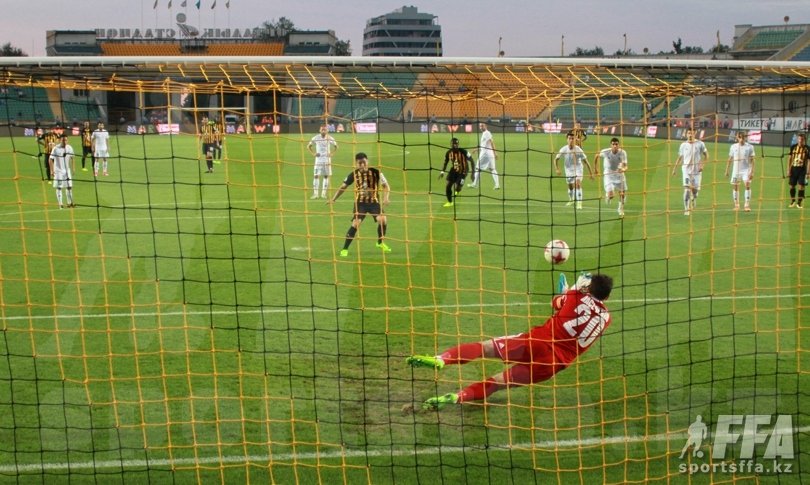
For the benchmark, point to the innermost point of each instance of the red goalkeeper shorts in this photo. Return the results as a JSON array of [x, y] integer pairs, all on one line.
[[534, 359]]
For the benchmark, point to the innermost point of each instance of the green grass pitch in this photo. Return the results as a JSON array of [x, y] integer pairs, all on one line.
[[183, 327]]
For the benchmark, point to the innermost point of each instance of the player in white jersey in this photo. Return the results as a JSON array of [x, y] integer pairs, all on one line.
[[101, 148], [63, 163], [325, 147], [486, 157], [741, 155], [573, 159], [693, 155], [614, 166]]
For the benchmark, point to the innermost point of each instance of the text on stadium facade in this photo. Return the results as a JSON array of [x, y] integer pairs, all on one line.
[[177, 33]]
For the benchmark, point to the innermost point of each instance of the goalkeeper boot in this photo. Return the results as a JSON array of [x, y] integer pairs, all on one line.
[[448, 204], [384, 248], [425, 361], [344, 253], [579, 205], [562, 285], [792, 203], [438, 402]]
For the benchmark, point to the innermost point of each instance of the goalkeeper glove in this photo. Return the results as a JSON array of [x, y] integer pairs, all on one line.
[[562, 285], [583, 282]]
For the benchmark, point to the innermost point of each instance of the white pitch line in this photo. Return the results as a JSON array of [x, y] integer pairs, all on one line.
[[550, 445], [372, 309]]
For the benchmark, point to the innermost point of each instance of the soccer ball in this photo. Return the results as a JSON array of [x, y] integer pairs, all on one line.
[[557, 251]]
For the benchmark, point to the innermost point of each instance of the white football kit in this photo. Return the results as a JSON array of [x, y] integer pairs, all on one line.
[[691, 154], [486, 157], [323, 157], [101, 139], [611, 162], [742, 158], [572, 161], [62, 156]]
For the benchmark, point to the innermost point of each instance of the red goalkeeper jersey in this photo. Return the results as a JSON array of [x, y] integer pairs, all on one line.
[[580, 320]]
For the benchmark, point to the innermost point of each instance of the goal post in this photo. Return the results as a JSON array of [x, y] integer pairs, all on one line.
[[237, 326]]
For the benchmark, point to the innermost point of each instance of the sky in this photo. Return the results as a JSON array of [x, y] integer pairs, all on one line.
[[470, 28]]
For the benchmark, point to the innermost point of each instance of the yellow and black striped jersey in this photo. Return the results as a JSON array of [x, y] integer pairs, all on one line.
[[87, 137], [579, 137], [459, 160], [799, 155], [367, 184], [207, 133], [49, 140]]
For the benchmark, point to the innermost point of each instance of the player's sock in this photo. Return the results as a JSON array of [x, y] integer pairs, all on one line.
[[579, 195], [105, 165], [463, 353], [478, 391], [324, 186], [349, 237], [495, 178], [315, 187], [623, 200], [448, 191], [570, 194], [735, 197], [686, 196], [793, 194], [381, 228], [70, 197], [747, 196], [83, 159], [95, 166], [801, 196], [59, 196]]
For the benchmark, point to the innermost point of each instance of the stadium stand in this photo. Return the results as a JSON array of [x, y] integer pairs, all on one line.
[[387, 82], [124, 49], [276, 49], [369, 108], [802, 55], [308, 107], [589, 109], [81, 109], [772, 39], [23, 103]]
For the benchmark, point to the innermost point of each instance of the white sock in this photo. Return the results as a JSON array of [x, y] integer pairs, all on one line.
[[747, 196], [70, 196], [570, 194], [495, 177], [315, 186], [95, 166], [579, 195], [59, 196], [105, 165], [324, 186], [687, 195], [735, 197]]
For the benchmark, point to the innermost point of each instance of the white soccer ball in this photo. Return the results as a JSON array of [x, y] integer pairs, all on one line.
[[557, 251]]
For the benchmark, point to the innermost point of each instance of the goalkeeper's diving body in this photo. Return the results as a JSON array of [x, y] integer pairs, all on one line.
[[580, 318]]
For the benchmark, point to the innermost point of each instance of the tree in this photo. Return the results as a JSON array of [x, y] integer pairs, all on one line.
[[595, 52], [628, 52], [343, 48], [681, 49], [9, 50], [718, 48]]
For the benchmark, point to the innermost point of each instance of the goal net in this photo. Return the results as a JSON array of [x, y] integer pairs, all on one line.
[[206, 312]]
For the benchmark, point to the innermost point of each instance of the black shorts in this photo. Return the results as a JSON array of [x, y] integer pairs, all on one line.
[[87, 151], [208, 148], [797, 176], [456, 177], [363, 208]]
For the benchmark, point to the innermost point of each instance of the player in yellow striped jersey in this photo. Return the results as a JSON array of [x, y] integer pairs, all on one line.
[[87, 145], [48, 140], [368, 182], [208, 139]]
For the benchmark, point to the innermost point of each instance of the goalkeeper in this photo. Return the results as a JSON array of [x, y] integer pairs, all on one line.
[[580, 318]]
